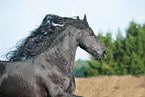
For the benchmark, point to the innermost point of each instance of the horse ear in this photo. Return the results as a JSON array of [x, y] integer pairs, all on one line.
[[78, 18], [85, 18]]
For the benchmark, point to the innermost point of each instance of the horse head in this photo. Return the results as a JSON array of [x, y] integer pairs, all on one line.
[[89, 42]]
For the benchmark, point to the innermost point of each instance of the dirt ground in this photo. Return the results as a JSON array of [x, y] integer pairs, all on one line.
[[111, 86]]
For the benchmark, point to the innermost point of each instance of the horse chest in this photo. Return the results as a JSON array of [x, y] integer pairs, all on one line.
[[60, 80]]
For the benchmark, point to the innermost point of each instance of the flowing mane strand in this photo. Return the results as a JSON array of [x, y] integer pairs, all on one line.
[[41, 38]]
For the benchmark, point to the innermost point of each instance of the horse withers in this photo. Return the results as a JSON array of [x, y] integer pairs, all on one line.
[[42, 64]]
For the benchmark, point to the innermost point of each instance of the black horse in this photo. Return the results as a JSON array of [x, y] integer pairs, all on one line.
[[42, 64]]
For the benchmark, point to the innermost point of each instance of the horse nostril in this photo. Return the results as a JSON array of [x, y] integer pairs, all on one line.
[[105, 53], [102, 53]]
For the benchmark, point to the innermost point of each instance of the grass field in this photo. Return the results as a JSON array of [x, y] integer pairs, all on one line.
[[111, 86]]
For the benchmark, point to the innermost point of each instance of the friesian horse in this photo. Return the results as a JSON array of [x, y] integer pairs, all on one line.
[[42, 64]]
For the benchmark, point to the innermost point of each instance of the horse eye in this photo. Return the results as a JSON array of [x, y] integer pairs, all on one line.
[[91, 33]]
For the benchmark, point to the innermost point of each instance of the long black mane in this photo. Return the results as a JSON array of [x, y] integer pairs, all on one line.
[[41, 38]]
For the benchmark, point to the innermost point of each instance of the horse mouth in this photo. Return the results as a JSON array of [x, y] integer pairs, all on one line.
[[100, 56]]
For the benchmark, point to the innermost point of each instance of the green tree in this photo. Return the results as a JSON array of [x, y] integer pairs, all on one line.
[[118, 54], [133, 47], [79, 68]]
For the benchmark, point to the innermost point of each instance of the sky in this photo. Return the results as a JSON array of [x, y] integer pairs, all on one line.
[[19, 17]]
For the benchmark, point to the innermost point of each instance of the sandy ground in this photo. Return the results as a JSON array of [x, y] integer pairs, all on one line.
[[111, 86]]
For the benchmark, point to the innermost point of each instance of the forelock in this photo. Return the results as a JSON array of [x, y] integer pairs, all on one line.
[[51, 20]]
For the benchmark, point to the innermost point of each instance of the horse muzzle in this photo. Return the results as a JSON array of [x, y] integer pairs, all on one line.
[[100, 54]]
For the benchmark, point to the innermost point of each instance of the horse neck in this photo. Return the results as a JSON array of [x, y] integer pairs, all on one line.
[[63, 49]]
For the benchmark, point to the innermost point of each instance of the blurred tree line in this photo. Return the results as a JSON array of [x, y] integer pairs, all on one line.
[[124, 55]]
